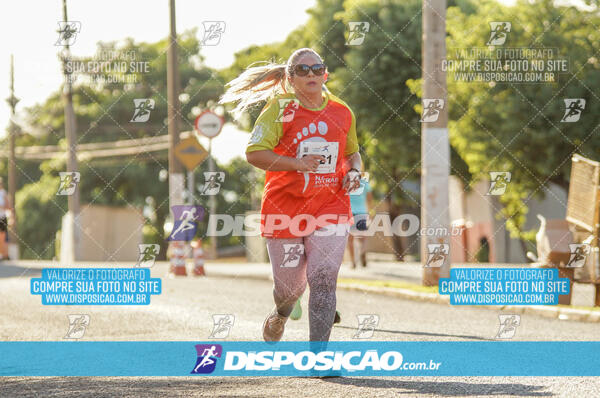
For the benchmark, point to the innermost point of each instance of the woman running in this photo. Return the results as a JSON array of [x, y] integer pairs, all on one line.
[[305, 139]]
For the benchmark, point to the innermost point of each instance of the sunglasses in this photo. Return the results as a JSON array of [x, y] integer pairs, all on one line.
[[303, 69]]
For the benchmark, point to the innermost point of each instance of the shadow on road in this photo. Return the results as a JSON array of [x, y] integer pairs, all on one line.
[[126, 387], [462, 336], [123, 387], [10, 271], [447, 388]]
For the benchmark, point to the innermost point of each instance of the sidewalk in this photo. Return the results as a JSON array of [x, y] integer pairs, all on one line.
[[407, 272], [396, 271], [400, 279], [410, 273], [404, 280]]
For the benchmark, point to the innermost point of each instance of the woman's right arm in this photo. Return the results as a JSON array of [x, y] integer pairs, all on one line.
[[265, 137], [269, 160]]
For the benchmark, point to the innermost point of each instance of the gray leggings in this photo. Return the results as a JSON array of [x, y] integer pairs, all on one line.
[[313, 259]]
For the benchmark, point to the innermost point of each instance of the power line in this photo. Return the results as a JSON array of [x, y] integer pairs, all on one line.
[[94, 150]]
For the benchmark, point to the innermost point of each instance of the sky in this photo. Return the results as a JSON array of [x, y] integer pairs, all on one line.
[[28, 31]]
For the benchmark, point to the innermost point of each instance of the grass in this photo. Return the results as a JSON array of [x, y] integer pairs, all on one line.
[[393, 284]]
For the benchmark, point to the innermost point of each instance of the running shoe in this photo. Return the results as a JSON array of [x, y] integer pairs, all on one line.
[[297, 311], [273, 326], [338, 317]]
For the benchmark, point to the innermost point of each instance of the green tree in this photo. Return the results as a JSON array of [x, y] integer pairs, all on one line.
[[40, 212], [103, 112], [234, 197], [324, 32], [373, 84], [516, 127]]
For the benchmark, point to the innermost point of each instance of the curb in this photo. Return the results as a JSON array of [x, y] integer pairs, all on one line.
[[561, 313], [397, 292]]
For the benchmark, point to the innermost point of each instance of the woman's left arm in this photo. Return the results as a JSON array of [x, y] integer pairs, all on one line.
[[352, 161], [352, 177]]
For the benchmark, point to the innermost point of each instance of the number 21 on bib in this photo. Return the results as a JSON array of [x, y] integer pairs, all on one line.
[[327, 149]]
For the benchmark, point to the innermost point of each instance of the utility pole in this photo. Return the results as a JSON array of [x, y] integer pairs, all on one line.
[[70, 247], [435, 147], [176, 178], [13, 129], [212, 201]]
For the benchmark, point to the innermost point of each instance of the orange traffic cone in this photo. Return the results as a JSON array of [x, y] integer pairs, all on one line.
[[178, 259], [198, 254]]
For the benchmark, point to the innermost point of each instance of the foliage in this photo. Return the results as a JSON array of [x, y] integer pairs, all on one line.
[[103, 113], [373, 84], [502, 127], [40, 211], [516, 127]]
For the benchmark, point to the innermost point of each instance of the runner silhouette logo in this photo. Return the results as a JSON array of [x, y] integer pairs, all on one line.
[[207, 358], [508, 326], [77, 326], [212, 184], [213, 30], [287, 110], [498, 182], [185, 222], [292, 254], [147, 254], [579, 252], [67, 32], [357, 31], [143, 107], [68, 182], [431, 109], [573, 109], [498, 33], [438, 252]]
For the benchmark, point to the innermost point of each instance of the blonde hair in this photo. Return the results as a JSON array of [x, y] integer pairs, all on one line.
[[261, 83]]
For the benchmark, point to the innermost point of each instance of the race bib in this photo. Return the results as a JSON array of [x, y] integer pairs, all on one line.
[[327, 149]]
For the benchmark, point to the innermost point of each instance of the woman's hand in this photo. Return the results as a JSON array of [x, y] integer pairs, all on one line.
[[351, 181], [310, 162]]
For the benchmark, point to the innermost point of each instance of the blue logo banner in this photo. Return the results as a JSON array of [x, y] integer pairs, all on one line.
[[343, 358], [504, 286], [95, 286]]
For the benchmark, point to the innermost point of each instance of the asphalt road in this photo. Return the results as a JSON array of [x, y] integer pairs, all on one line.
[[184, 312]]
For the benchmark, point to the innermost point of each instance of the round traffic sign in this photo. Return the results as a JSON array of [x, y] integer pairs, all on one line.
[[209, 124]]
